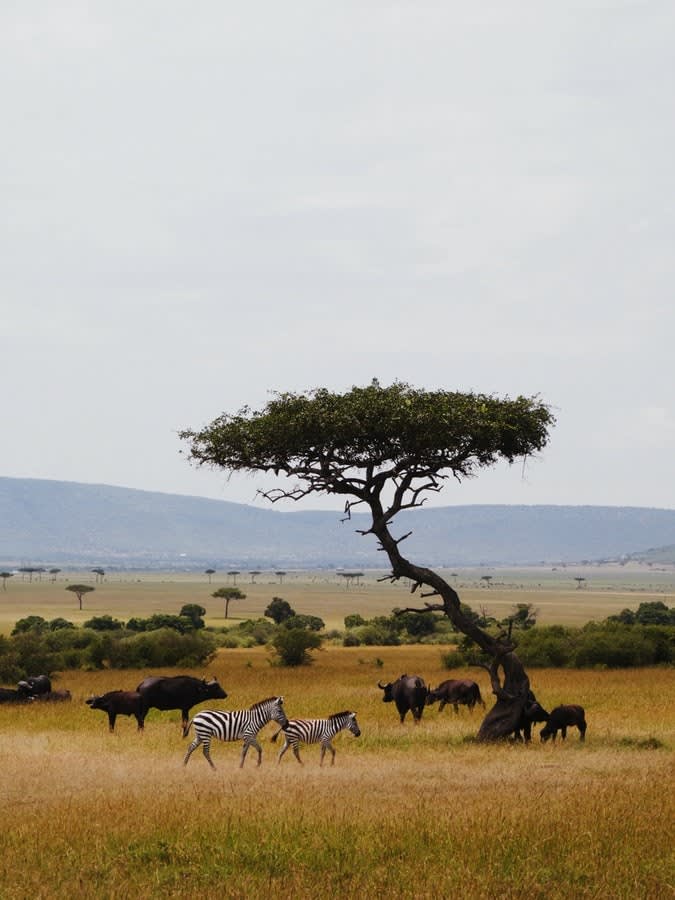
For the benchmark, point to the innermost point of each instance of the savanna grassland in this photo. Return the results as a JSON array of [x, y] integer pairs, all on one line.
[[405, 812]]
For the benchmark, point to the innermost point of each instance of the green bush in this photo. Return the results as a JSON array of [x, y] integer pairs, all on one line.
[[300, 620], [453, 660], [103, 623], [279, 610], [353, 620], [162, 647], [59, 624], [194, 612], [292, 646], [378, 635], [181, 624], [31, 623], [351, 639]]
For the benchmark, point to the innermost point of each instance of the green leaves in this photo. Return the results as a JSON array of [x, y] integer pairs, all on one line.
[[330, 440]]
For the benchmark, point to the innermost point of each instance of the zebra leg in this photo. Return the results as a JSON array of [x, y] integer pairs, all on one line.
[[327, 746], [296, 752], [283, 750], [193, 746], [206, 750], [250, 742]]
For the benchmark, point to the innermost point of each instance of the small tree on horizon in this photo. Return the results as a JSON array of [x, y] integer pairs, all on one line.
[[5, 576], [227, 594], [209, 572], [80, 590]]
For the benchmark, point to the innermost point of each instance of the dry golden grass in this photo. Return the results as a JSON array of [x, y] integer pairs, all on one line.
[[405, 812]]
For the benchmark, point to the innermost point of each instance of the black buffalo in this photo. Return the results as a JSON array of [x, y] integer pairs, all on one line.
[[7, 695], [177, 692], [54, 697], [409, 692], [457, 692], [119, 703], [35, 685], [532, 712], [562, 718]]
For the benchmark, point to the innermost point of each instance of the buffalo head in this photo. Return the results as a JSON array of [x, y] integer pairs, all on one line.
[[387, 688], [213, 690]]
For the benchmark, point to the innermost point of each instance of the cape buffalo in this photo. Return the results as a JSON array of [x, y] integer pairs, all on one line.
[[7, 695], [119, 703], [177, 692], [561, 718], [532, 712], [35, 685], [408, 692], [464, 693], [54, 697]]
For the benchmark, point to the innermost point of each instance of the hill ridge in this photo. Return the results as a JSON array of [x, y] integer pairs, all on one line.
[[49, 521]]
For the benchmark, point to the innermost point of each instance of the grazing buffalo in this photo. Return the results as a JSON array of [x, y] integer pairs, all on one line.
[[35, 685], [54, 697], [177, 692], [532, 712], [7, 695], [459, 693], [409, 692], [562, 718], [119, 703]]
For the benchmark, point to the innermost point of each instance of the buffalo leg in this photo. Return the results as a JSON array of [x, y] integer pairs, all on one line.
[[111, 721]]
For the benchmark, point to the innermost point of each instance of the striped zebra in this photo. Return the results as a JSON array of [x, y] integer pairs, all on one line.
[[315, 731], [234, 725]]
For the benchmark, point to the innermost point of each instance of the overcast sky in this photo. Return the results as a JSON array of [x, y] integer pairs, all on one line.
[[202, 203]]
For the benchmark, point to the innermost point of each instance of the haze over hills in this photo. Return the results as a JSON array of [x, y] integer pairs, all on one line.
[[69, 523]]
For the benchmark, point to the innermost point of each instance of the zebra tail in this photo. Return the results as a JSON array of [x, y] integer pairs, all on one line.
[[186, 728], [274, 737]]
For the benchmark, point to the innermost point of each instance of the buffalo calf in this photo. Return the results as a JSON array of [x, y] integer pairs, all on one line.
[[532, 712], [119, 703], [562, 718]]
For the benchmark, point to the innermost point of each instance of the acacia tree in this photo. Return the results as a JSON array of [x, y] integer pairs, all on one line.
[[80, 590], [387, 449], [227, 594]]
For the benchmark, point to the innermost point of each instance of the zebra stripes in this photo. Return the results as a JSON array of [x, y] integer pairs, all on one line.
[[234, 725], [315, 731]]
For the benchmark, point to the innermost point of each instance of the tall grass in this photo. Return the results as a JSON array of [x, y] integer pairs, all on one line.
[[405, 812]]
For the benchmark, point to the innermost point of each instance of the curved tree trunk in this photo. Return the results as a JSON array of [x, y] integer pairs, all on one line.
[[513, 692]]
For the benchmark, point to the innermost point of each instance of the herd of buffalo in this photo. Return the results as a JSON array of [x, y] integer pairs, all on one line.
[[409, 693]]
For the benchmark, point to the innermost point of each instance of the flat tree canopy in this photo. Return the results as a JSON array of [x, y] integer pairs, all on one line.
[[388, 448]]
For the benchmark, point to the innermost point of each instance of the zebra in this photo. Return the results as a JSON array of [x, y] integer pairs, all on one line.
[[314, 731], [234, 724]]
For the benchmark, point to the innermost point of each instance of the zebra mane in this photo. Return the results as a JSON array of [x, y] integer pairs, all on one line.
[[262, 703], [345, 712]]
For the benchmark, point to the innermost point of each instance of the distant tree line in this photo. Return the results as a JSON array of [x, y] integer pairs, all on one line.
[[642, 637]]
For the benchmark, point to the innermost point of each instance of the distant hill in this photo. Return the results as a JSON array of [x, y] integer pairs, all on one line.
[[655, 555], [68, 523]]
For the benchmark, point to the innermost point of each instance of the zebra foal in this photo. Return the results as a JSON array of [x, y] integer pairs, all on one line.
[[234, 725], [315, 731]]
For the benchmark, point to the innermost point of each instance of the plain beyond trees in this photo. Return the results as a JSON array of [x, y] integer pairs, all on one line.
[[387, 449]]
